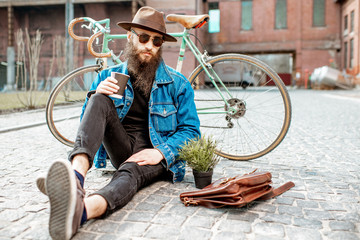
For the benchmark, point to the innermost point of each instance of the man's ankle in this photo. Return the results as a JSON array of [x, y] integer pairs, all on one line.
[[81, 164]]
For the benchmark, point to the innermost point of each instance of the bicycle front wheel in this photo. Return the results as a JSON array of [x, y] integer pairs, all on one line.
[[246, 109], [64, 105]]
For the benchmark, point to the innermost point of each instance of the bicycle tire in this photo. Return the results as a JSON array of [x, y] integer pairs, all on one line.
[[243, 75], [74, 86]]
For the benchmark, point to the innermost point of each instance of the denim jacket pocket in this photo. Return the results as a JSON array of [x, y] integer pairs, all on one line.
[[118, 102], [164, 118]]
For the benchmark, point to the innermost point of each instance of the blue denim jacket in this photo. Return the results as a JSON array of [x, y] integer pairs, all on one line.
[[172, 113]]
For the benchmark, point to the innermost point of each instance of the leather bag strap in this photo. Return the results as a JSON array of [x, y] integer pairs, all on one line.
[[277, 191]]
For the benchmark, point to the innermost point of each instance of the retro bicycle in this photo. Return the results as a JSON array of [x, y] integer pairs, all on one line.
[[241, 101]]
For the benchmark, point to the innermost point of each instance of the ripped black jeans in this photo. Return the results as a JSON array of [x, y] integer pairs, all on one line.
[[100, 124]]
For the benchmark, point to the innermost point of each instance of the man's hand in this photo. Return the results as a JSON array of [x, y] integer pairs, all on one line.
[[150, 156], [108, 86]]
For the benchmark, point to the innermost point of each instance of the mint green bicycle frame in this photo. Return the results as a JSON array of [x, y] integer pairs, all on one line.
[[186, 41]]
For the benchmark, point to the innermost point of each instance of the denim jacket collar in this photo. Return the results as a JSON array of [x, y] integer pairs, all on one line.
[[162, 75]]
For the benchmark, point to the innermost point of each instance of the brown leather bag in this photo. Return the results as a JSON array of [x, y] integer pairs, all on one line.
[[236, 191]]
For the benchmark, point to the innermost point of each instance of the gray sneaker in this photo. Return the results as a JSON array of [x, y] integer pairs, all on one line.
[[66, 200], [41, 184]]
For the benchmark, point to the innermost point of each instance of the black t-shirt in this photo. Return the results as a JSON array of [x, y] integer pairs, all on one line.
[[136, 121]]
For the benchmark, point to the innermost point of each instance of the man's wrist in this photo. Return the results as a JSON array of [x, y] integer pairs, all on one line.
[[163, 160], [162, 155]]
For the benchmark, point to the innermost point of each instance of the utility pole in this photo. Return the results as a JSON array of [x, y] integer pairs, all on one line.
[[69, 42], [10, 70], [133, 7], [135, 4]]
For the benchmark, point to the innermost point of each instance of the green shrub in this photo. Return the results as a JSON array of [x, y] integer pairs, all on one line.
[[199, 153]]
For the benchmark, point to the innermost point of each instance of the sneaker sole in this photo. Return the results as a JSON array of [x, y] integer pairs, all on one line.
[[40, 183], [61, 189]]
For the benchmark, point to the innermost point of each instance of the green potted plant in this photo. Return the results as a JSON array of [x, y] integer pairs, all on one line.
[[199, 153]]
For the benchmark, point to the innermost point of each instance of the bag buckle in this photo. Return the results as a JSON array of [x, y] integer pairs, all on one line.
[[189, 201]]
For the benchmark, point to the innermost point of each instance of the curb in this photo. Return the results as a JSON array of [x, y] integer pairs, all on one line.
[[16, 128]]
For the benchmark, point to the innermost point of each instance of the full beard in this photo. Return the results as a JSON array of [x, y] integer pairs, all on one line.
[[142, 73]]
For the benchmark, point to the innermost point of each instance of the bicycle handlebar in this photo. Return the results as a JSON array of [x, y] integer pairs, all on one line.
[[71, 29], [91, 49], [90, 39]]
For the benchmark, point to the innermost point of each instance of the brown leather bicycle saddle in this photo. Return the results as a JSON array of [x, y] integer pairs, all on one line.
[[188, 21]]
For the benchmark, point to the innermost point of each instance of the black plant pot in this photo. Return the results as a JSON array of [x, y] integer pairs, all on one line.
[[202, 179]]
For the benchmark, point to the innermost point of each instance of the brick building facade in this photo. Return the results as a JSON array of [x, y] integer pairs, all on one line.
[[287, 28], [49, 18], [350, 54], [292, 36]]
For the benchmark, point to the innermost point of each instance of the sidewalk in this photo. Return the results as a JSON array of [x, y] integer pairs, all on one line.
[[21, 120], [320, 155]]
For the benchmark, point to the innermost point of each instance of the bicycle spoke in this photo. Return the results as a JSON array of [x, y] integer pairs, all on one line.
[[246, 136], [259, 110]]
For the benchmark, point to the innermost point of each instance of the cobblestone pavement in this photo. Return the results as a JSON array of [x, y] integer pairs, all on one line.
[[321, 154]]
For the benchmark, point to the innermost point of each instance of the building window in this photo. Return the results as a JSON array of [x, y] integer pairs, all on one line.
[[246, 14], [346, 31], [352, 15], [318, 13], [345, 55], [280, 14], [351, 63], [214, 13]]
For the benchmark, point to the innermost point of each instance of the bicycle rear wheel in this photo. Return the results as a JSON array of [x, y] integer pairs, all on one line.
[[260, 104], [64, 105]]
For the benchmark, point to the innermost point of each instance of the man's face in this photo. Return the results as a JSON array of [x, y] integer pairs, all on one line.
[[143, 59], [146, 51]]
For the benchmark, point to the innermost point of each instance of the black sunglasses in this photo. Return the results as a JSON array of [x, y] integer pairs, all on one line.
[[144, 38]]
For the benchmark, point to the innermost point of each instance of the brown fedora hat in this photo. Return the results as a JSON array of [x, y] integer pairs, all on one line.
[[149, 19]]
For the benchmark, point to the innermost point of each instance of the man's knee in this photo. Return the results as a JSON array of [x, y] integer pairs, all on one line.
[[100, 103], [99, 98], [143, 175]]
